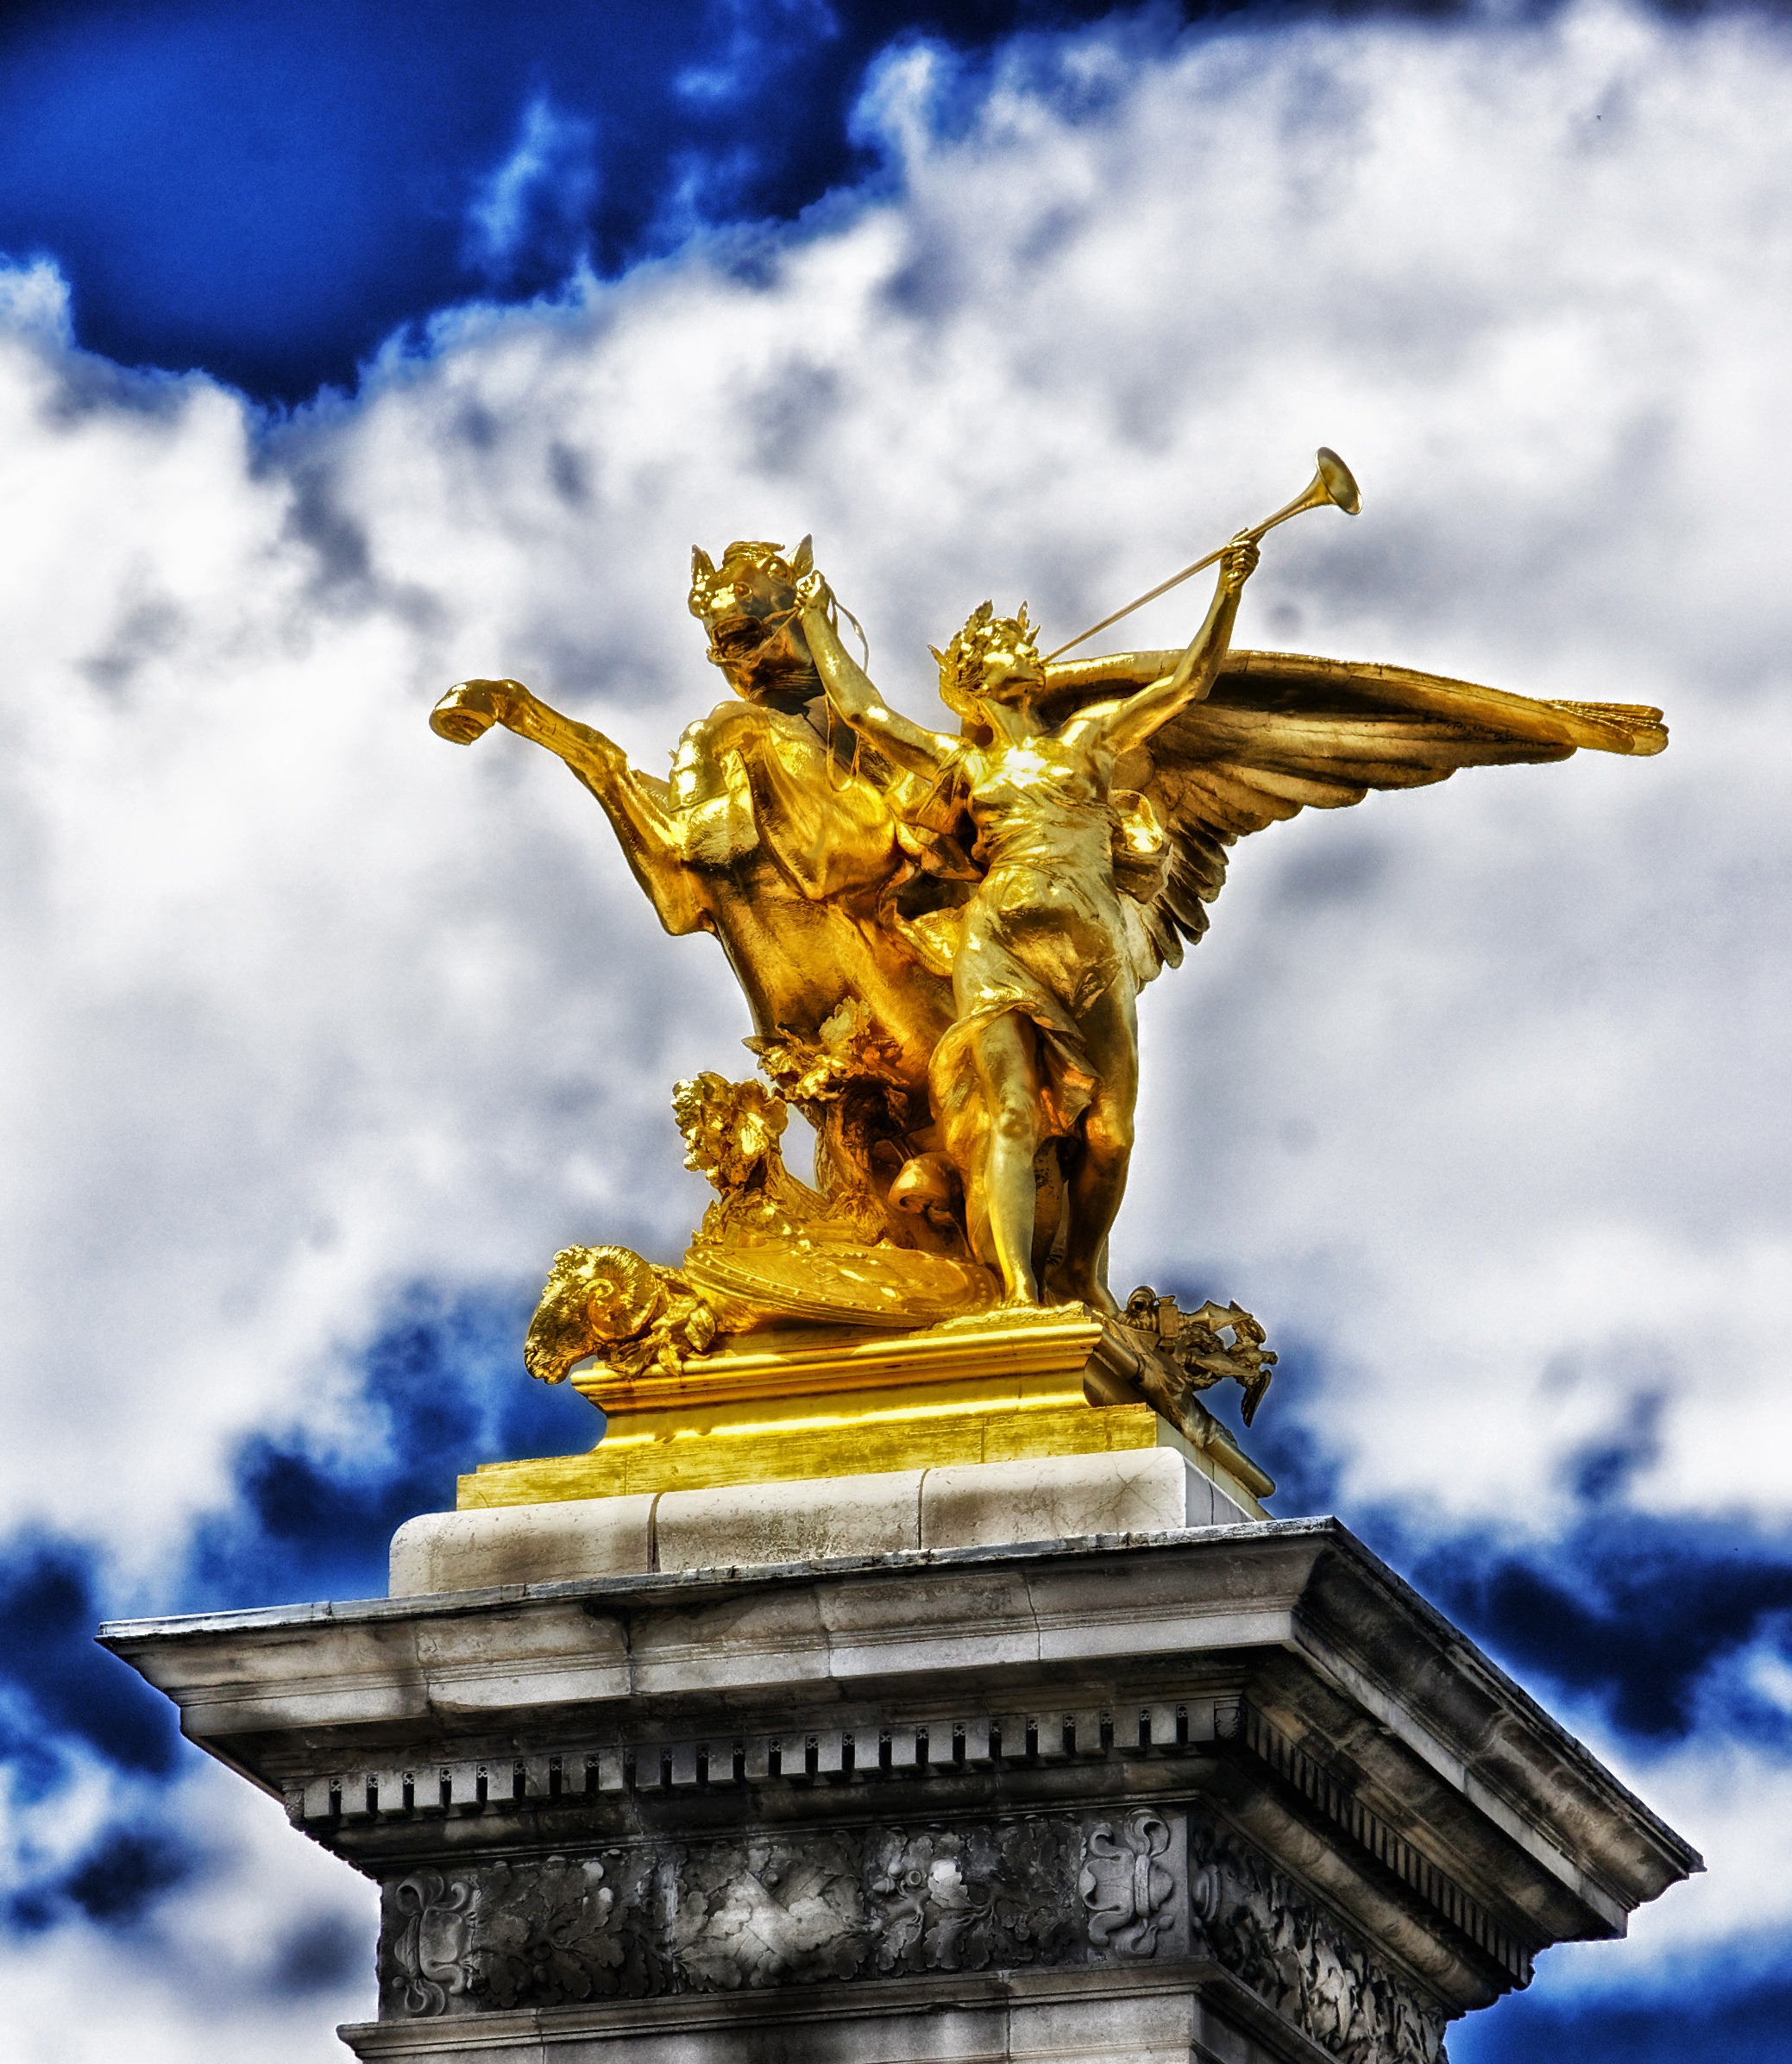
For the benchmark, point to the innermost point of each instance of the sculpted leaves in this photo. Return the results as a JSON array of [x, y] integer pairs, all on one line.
[[543, 1937], [969, 1899], [1264, 1928], [769, 1913]]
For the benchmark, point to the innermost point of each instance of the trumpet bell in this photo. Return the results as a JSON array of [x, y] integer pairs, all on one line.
[[1339, 485], [1333, 486]]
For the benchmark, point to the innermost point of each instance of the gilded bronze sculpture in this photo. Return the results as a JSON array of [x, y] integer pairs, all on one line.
[[940, 936]]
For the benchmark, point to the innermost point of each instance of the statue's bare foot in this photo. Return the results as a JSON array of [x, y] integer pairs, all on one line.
[[468, 710], [1087, 1290]]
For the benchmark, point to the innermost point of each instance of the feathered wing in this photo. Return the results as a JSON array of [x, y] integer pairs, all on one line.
[[1282, 732]]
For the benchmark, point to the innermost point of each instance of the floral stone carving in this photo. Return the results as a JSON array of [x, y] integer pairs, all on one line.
[[548, 1932], [833, 1905], [1266, 1930], [769, 1913], [544, 1936], [969, 1898]]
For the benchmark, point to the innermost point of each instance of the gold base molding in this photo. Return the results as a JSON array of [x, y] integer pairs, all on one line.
[[997, 1389]]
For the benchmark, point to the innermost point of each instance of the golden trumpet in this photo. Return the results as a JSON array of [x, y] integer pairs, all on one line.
[[1331, 485]]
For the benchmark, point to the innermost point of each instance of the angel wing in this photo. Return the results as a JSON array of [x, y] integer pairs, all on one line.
[[1282, 732]]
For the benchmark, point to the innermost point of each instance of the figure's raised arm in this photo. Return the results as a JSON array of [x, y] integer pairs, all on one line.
[[853, 694], [1131, 722]]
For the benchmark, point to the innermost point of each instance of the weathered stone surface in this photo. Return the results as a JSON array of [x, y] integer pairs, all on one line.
[[863, 1905], [1054, 1498], [1228, 1794], [1020, 2017], [521, 1543], [975, 1505], [803, 1521]]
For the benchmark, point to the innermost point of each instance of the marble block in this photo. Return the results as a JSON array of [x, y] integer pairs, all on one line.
[[1041, 1497], [1061, 1497], [1233, 1794], [817, 1521], [522, 1544]]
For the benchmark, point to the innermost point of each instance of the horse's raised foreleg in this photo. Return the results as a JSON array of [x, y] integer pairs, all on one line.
[[633, 802]]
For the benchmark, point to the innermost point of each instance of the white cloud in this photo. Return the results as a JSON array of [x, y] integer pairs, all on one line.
[[1479, 1092], [228, 1968], [535, 205]]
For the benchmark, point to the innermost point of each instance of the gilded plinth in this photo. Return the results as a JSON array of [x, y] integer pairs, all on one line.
[[817, 1403]]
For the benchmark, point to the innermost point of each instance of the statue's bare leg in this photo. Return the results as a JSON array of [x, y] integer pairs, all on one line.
[[1105, 1145], [1005, 1198]]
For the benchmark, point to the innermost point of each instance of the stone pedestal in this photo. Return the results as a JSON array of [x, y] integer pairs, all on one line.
[[1225, 1792]]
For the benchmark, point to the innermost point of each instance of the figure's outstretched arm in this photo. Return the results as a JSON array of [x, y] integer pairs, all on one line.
[[1130, 722], [636, 806], [851, 692]]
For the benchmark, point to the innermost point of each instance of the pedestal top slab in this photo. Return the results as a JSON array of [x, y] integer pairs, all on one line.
[[1293, 1628]]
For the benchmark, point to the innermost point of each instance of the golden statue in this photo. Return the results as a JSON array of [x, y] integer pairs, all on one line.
[[941, 935]]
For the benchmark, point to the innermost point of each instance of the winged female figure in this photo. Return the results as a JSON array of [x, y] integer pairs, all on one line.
[[1098, 800], [1044, 1041]]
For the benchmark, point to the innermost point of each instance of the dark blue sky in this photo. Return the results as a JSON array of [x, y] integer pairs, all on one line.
[[269, 190]]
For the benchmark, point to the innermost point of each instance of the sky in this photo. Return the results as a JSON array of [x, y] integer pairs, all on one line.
[[348, 351]]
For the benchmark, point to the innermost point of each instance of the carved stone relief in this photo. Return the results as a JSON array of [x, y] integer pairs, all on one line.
[[1126, 1885], [544, 1935], [424, 1944], [725, 1917], [552, 1932], [839, 1905], [1264, 1928], [769, 1913], [972, 1899]]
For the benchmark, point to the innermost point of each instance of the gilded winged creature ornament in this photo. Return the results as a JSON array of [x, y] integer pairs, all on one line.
[[941, 933]]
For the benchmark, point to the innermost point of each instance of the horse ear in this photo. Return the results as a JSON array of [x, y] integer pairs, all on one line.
[[804, 559], [702, 566]]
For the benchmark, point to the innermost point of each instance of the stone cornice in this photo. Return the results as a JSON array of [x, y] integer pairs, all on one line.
[[1344, 1660]]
